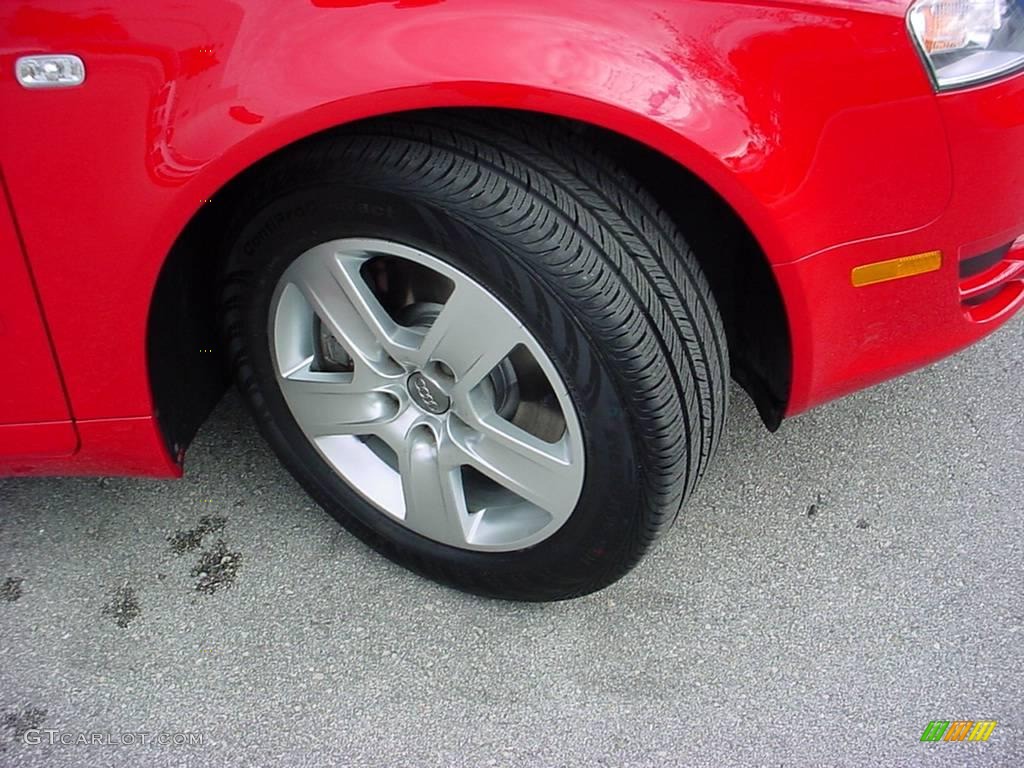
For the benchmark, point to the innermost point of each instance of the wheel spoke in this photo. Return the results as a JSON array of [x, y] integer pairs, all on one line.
[[435, 505], [471, 335], [347, 307], [540, 472], [331, 404]]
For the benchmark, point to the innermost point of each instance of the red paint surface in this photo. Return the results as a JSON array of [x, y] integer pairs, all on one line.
[[846, 338], [30, 387], [814, 120]]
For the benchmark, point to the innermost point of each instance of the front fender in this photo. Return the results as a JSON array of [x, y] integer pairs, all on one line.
[[801, 117]]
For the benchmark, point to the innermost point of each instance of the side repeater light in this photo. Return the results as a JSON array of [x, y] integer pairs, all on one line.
[[895, 269], [50, 71]]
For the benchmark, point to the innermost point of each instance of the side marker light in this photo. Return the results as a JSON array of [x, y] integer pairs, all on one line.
[[895, 269]]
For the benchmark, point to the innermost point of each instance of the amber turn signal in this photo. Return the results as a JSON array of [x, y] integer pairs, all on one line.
[[894, 269]]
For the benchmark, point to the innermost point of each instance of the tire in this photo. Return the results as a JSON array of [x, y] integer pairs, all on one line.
[[611, 300]]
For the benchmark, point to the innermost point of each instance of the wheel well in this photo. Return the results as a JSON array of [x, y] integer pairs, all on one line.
[[187, 370]]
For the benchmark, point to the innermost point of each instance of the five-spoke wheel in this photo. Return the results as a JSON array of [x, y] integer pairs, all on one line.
[[479, 345], [443, 411]]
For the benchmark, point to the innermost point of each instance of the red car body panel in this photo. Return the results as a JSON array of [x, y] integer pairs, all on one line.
[[849, 338], [34, 417], [815, 121]]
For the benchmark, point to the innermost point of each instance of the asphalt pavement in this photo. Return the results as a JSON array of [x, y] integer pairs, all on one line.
[[829, 591]]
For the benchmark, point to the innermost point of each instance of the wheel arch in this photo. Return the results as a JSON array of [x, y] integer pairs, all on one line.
[[188, 375]]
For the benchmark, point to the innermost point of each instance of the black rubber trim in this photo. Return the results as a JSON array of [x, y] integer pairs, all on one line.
[[975, 301], [975, 265]]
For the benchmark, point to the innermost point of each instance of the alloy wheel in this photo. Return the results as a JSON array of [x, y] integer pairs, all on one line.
[[426, 394]]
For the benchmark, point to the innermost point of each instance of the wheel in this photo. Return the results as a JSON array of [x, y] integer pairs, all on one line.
[[479, 345]]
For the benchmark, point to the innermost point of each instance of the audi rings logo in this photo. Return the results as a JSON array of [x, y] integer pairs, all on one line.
[[427, 395], [424, 393]]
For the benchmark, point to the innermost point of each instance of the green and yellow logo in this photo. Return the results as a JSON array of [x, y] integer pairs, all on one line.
[[958, 730]]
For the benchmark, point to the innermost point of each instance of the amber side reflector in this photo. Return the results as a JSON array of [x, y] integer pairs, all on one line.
[[894, 269]]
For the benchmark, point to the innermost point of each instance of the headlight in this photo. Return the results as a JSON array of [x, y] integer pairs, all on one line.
[[967, 41]]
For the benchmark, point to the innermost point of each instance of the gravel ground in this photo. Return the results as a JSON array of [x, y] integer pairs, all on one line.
[[829, 591]]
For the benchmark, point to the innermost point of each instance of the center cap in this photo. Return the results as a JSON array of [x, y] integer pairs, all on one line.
[[427, 395]]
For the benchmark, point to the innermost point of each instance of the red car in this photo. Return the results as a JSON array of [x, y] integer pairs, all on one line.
[[482, 269]]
